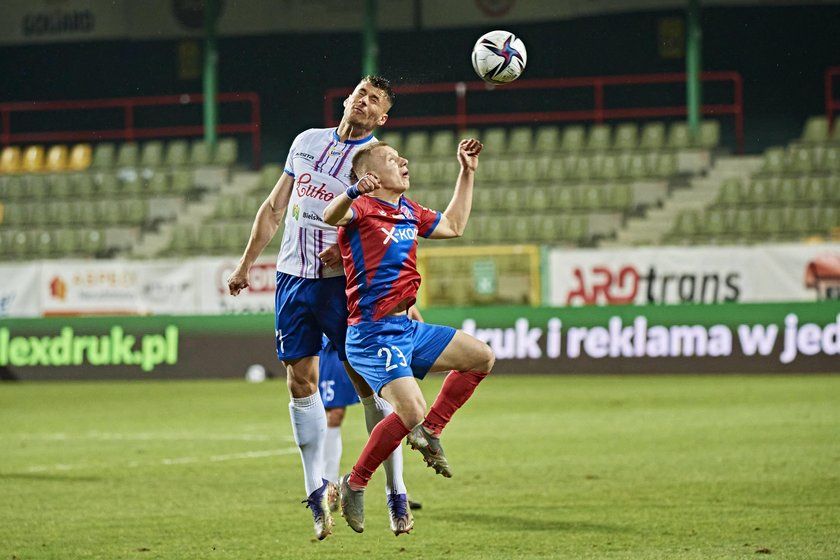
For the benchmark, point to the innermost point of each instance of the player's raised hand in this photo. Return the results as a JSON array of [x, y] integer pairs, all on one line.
[[237, 281], [368, 183], [468, 150]]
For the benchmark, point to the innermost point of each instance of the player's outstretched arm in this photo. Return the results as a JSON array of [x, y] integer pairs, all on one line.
[[337, 212], [453, 221], [266, 224]]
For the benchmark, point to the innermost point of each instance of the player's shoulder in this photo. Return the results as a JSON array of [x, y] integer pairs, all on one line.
[[311, 134]]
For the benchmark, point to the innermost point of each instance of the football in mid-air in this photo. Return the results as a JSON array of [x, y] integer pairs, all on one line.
[[499, 57]]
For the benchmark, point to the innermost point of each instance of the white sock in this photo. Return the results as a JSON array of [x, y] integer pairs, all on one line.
[[309, 425], [332, 454], [375, 410]]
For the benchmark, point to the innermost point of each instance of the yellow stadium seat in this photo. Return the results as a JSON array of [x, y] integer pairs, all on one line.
[[57, 158], [33, 159], [80, 157], [10, 160]]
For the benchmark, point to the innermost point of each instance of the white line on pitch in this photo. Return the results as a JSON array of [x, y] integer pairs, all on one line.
[[174, 460], [145, 436]]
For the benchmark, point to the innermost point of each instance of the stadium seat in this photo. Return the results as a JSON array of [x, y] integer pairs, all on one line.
[[61, 186], [392, 138], [609, 168], [762, 191], [177, 153], [787, 191], [151, 154], [57, 157], [573, 138], [182, 181], [91, 242], [709, 134], [103, 156], [520, 141], [80, 157], [815, 130], [83, 185], [10, 159], [730, 192], [494, 140], [199, 153], [802, 159], [830, 161], [679, 137], [774, 160], [442, 143], [626, 137], [32, 160], [620, 197], [634, 166], [652, 136], [416, 144], [227, 151], [36, 187], [269, 175], [547, 139], [599, 138], [687, 224], [128, 155], [768, 221]]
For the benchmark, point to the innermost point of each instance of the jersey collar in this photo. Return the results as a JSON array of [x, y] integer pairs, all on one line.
[[348, 141]]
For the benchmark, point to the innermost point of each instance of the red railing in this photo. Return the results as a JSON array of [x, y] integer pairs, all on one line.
[[599, 112], [831, 103], [128, 130]]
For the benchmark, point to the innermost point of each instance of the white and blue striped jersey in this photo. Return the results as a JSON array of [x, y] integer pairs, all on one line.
[[320, 164]]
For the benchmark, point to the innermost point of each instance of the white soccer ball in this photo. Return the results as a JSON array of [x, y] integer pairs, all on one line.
[[499, 57]]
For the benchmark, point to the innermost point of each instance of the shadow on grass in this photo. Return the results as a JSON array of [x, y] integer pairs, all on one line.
[[534, 521], [49, 477]]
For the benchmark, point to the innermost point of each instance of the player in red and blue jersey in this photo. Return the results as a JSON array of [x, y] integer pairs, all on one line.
[[378, 241]]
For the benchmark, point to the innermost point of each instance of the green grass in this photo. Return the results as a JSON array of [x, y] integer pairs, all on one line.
[[545, 467]]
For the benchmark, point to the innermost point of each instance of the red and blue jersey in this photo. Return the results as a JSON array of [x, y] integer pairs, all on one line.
[[379, 250]]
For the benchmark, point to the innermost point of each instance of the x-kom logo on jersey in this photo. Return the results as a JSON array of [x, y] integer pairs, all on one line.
[[397, 235]]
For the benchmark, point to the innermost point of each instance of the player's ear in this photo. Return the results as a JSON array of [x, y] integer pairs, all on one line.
[[382, 119]]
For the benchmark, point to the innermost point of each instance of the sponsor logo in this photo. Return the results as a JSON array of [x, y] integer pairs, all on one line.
[[396, 235], [296, 212], [6, 301], [823, 276], [58, 288], [305, 188], [601, 285], [70, 349], [304, 155], [312, 216]]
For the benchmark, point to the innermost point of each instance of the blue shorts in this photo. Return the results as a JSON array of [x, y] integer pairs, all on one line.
[[306, 309], [337, 390], [394, 347]]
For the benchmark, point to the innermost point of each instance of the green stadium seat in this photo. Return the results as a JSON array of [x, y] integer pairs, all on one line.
[[61, 186], [158, 184], [519, 229], [547, 139], [626, 136], [679, 136], [830, 161], [774, 160], [177, 153], [609, 169], [107, 212], [742, 222], [87, 214], [182, 181], [813, 190], [833, 189], [200, 153], [538, 199], [511, 199], [687, 223], [815, 130], [35, 187], [133, 212], [442, 143], [128, 155], [131, 185], [652, 136], [769, 221], [835, 131], [494, 140], [520, 141], [591, 198], [827, 217], [151, 154], [788, 191], [104, 156], [730, 192], [548, 228], [420, 172], [665, 165], [92, 242], [107, 185], [599, 138], [620, 197], [799, 220], [762, 191], [39, 214], [393, 138], [566, 198], [573, 138], [634, 166], [715, 221], [576, 228], [445, 171], [227, 151], [84, 185], [709, 134], [416, 144], [802, 159]]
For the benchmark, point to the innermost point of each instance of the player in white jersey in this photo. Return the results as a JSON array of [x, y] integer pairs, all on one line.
[[310, 298]]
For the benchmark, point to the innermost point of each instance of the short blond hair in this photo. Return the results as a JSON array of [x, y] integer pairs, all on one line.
[[361, 161]]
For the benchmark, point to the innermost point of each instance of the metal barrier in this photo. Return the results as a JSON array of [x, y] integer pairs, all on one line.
[[598, 113], [129, 130]]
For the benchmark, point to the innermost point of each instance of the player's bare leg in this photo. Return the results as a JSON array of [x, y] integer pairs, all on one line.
[[309, 425], [469, 361], [376, 409]]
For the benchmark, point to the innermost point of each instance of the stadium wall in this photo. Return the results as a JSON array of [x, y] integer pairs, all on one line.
[[781, 52]]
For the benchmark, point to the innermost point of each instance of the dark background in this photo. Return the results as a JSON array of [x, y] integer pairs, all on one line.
[[781, 52]]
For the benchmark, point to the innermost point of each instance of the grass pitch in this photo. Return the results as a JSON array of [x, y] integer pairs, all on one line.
[[544, 467]]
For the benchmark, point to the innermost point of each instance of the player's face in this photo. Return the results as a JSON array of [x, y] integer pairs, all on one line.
[[367, 107], [391, 169]]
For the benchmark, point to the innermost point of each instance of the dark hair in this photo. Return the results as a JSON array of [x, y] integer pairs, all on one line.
[[381, 83]]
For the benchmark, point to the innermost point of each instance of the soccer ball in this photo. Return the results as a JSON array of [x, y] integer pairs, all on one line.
[[499, 57]]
